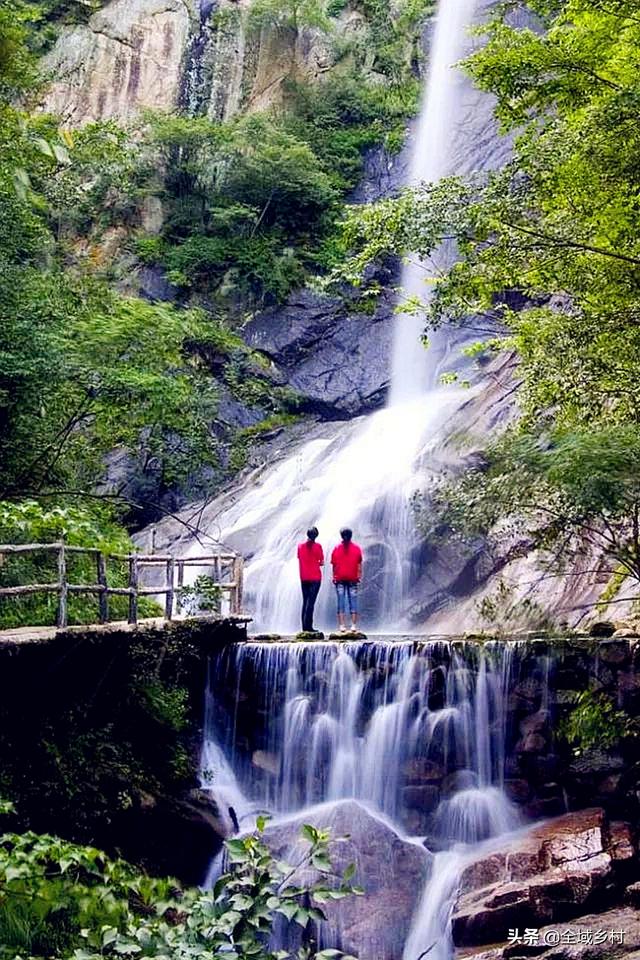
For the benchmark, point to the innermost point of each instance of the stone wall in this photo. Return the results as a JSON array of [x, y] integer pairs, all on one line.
[[100, 737], [543, 773]]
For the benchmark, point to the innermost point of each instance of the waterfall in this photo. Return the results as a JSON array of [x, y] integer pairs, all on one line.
[[349, 720], [419, 731], [363, 474], [200, 62], [413, 371]]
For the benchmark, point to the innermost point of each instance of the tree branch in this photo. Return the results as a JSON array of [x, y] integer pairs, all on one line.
[[572, 244]]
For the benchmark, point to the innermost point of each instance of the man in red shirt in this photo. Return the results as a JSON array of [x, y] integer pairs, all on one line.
[[346, 561], [311, 560]]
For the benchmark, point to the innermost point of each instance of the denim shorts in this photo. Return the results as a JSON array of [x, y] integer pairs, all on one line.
[[347, 594]]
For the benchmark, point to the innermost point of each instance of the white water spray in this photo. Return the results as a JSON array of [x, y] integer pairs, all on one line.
[[365, 474], [434, 156], [363, 721]]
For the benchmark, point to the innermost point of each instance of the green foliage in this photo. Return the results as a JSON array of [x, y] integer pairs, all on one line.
[[31, 521], [243, 201], [81, 369], [59, 900], [555, 232], [108, 739], [394, 33], [289, 14], [202, 594], [503, 612], [168, 706], [594, 722], [567, 494], [245, 438], [550, 262], [45, 17]]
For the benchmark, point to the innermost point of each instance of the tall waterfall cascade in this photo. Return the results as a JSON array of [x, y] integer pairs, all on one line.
[[292, 725], [365, 474], [416, 731]]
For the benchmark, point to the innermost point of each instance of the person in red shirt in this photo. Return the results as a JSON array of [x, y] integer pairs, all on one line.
[[346, 560], [311, 561]]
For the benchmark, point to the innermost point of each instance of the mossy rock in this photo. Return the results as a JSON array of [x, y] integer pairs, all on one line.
[[348, 635], [266, 637], [310, 635]]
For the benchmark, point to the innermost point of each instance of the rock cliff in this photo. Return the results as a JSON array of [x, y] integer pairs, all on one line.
[[134, 55]]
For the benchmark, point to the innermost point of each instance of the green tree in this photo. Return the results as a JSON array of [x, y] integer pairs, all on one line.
[[568, 494], [290, 14], [549, 265], [548, 245]]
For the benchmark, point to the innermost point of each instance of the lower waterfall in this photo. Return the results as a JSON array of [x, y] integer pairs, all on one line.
[[420, 732]]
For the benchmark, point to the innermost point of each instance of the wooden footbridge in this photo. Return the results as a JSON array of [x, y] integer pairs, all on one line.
[[147, 575]]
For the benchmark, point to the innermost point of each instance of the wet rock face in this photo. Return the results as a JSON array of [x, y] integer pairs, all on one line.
[[331, 354], [392, 871], [197, 54], [559, 870], [126, 58]]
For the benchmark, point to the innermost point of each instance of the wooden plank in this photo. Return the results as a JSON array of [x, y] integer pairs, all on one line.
[[28, 547], [103, 597], [133, 588], [234, 593], [97, 589], [208, 558], [62, 617], [36, 547], [29, 588], [168, 602]]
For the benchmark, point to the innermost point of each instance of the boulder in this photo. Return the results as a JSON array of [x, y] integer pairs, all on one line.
[[602, 628], [422, 797], [421, 770], [553, 873], [532, 743], [534, 723], [392, 870], [614, 651], [600, 936]]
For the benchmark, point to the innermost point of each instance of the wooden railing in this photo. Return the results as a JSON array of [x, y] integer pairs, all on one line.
[[227, 578]]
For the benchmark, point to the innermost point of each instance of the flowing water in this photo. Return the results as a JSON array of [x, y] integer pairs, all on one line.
[[365, 474], [289, 726]]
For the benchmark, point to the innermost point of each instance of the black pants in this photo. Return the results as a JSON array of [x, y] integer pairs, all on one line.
[[310, 590]]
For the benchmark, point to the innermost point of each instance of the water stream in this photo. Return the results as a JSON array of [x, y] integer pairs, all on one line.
[[365, 473], [290, 726]]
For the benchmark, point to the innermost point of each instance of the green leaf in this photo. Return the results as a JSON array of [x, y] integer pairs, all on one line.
[[261, 822], [309, 833]]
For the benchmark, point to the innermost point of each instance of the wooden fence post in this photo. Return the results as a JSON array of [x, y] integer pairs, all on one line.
[[133, 587], [103, 596], [63, 588], [238, 572], [168, 603], [180, 585]]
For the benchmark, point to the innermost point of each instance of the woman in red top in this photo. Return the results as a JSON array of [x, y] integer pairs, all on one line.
[[346, 560], [311, 559]]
